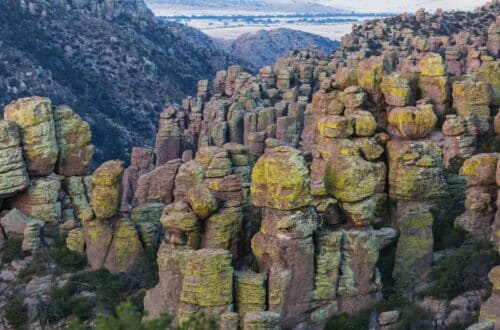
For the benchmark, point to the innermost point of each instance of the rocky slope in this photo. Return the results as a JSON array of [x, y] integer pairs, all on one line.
[[111, 61], [272, 200], [265, 47]]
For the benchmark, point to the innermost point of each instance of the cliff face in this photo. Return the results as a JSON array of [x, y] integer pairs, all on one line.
[[265, 47], [111, 60]]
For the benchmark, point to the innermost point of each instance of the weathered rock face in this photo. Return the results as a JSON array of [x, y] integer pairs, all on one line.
[[36, 120], [40, 200], [13, 176], [490, 309], [74, 138], [280, 180]]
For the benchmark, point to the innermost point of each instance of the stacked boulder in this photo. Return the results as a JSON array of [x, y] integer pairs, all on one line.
[[284, 246], [433, 82], [481, 196], [416, 181], [51, 145], [111, 241], [204, 238]]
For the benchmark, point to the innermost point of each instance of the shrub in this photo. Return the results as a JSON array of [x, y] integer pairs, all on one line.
[[129, 318], [413, 317], [67, 260], [38, 266], [110, 289], [445, 234], [12, 250], [15, 312], [463, 270]]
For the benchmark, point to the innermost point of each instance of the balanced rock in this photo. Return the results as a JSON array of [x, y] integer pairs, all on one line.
[[106, 191]]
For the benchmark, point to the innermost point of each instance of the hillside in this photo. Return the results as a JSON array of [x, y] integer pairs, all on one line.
[[265, 47], [111, 61]]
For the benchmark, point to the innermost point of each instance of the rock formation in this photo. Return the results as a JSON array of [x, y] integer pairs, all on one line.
[[269, 198]]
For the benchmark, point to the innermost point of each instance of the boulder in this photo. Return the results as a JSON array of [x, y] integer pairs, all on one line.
[[397, 90], [412, 122], [261, 321], [73, 136], [336, 126], [125, 250], [432, 65], [349, 178], [38, 134], [280, 180]]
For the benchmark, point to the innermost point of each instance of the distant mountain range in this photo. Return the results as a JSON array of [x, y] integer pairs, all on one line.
[[248, 5]]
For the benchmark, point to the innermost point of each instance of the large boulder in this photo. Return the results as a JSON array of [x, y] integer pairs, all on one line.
[[348, 177], [74, 138], [280, 180], [35, 118], [412, 122]]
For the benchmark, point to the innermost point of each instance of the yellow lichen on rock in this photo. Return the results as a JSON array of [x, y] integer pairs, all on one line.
[[280, 180], [106, 192]]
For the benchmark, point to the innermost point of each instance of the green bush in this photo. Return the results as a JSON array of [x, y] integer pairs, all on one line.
[[129, 318], [413, 317], [463, 270], [15, 313], [67, 260], [444, 232], [12, 250]]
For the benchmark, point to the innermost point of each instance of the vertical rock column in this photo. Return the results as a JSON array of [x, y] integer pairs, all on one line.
[[169, 139], [480, 172], [471, 99], [284, 245], [416, 181], [433, 82], [141, 162]]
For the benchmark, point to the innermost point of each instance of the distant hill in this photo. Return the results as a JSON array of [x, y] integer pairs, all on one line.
[[265, 47], [112, 61], [248, 5]]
